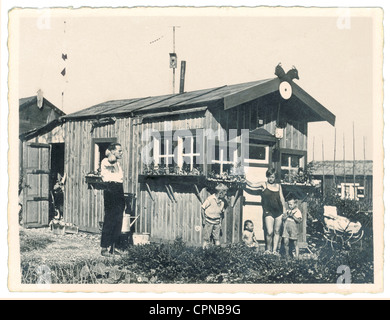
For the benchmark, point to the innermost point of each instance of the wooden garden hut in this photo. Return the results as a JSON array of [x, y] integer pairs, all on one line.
[[347, 179], [184, 137]]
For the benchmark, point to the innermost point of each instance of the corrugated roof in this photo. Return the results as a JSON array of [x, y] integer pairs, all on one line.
[[148, 104], [362, 167], [27, 100]]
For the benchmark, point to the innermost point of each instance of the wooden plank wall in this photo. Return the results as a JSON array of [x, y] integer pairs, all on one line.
[[295, 136], [247, 115], [166, 219]]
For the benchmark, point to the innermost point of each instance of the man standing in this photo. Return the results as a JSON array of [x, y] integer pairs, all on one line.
[[114, 201]]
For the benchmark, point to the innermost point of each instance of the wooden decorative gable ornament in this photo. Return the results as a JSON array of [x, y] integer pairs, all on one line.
[[285, 88]]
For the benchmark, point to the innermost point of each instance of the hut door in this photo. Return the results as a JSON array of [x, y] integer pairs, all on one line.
[[255, 169], [252, 209], [36, 163]]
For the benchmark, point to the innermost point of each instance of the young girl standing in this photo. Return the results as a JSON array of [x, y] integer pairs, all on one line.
[[273, 207]]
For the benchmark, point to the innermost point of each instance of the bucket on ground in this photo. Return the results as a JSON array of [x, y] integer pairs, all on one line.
[[141, 238]]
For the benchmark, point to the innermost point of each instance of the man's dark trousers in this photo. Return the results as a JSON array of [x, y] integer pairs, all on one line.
[[114, 205]]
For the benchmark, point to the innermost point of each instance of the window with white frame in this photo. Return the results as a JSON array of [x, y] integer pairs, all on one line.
[[163, 150], [189, 150], [350, 191], [99, 147], [224, 158], [290, 163], [181, 149]]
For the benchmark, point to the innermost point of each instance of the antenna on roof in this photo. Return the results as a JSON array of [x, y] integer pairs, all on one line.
[[323, 170], [364, 166], [344, 162], [173, 58], [353, 166], [334, 160]]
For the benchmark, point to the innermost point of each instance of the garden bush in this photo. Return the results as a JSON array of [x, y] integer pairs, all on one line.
[[179, 263], [235, 263]]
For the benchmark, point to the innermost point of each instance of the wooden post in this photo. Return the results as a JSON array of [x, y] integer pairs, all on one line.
[[198, 193], [364, 167], [353, 165], [172, 193], [173, 80], [323, 171], [174, 68], [313, 147], [334, 160], [168, 193], [344, 161], [149, 191]]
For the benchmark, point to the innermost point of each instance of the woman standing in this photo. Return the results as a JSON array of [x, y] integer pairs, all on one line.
[[273, 207]]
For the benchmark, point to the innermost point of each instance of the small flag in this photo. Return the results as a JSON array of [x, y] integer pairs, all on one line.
[[64, 56], [63, 72]]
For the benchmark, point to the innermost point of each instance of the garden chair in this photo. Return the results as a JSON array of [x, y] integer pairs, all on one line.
[[339, 231]]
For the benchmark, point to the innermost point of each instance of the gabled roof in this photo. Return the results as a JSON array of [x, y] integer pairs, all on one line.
[[362, 167], [301, 104], [229, 96], [25, 102]]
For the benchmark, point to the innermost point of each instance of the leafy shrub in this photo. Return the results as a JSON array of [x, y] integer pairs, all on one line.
[[178, 263], [236, 263]]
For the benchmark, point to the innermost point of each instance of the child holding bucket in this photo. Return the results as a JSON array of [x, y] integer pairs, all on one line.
[[212, 215]]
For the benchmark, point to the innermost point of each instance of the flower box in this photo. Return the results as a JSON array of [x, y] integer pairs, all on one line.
[[172, 178], [95, 181], [93, 178]]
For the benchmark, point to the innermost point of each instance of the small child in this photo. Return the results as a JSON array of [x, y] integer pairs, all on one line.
[[291, 218], [248, 236], [212, 215]]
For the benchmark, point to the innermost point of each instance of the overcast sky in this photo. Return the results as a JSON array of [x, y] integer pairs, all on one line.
[[119, 54]]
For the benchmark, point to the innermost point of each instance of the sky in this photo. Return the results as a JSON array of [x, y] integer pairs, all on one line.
[[113, 59], [121, 54]]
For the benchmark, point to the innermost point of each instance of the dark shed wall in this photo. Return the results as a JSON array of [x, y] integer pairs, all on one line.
[[328, 185], [162, 216]]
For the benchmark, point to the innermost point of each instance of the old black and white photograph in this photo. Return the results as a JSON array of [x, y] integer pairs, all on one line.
[[209, 149]]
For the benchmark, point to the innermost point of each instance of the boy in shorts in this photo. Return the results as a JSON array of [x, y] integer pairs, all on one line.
[[212, 214], [292, 218]]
